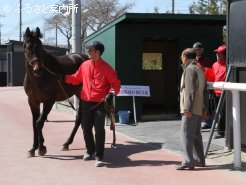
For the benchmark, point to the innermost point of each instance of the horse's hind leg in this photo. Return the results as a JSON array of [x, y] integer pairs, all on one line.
[[69, 141], [35, 114], [47, 106]]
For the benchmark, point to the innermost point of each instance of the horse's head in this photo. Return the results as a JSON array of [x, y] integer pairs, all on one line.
[[33, 50]]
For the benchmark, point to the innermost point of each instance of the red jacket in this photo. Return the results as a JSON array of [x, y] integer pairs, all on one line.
[[98, 80], [219, 69], [209, 74]]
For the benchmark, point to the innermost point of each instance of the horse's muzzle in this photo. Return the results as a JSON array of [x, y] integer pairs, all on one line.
[[38, 72]]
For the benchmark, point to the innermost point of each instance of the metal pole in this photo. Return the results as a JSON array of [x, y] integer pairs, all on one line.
[[236, 129], [134, 109], [0, 30], [76, 34], [0, 34], [56, 34], [217, 113], [220, 104], [173, 6], [76, 27], [20, 18]]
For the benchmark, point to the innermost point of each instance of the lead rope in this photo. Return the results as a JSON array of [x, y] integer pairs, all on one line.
[[111, 115], [70, 103]]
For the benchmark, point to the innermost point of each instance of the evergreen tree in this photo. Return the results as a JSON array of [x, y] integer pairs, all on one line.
[[201, 7], [214, 7]]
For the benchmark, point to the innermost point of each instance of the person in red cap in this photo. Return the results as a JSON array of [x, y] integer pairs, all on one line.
[[219, 68], [100, 82]]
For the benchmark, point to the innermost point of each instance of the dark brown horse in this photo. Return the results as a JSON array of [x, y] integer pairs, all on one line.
[[41, 85]]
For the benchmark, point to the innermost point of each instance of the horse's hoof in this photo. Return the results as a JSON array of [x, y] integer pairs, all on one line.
[[30, 154], [64, 147], [42, 150]]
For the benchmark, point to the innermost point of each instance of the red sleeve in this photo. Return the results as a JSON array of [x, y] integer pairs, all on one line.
[[209, 74], [75, 78], [114, 82]]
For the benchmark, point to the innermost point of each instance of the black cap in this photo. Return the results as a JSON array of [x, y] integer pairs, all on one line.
[[198, 45], [96, 45]]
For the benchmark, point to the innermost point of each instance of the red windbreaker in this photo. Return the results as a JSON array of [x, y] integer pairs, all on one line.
[[98, 79], [209, 74], [219, 69]]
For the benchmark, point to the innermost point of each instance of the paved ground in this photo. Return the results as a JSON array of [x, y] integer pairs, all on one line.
[[138, 159], [166, 135]]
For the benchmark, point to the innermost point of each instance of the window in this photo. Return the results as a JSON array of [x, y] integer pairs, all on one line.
[[152, 61]]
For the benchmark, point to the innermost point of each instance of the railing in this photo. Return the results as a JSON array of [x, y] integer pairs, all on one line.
[[235, 88]]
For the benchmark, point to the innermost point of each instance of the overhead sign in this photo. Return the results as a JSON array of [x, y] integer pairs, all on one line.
[[134, 90]]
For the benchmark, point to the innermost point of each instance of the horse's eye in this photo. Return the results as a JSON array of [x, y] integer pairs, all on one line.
[[31, 62]]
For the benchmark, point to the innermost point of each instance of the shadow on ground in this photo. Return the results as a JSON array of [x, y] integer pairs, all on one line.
[[120, 156]]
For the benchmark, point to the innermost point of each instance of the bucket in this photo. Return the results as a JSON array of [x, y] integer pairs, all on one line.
[[124, 117]]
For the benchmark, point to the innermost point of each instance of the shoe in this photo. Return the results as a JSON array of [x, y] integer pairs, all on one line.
[[183, 167], [218, 136], [98, 163], [88, 157], [205, 126], [201, 165]]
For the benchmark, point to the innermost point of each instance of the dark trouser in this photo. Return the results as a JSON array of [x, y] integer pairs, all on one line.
[[93, 116], [211, 108], [221, 123], [191, 141]]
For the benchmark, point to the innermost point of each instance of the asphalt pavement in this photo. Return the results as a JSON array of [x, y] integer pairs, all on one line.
[[145, 154]]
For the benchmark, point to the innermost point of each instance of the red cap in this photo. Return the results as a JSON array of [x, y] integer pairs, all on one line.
[[221, 49]]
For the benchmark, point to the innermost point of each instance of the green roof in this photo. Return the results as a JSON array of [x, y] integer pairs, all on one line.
[[154, 18]]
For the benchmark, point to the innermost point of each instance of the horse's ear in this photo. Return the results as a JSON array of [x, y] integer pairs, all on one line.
[[38, 33], [28, 32]]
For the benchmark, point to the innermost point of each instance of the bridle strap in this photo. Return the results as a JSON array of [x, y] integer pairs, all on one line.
[[63, 90]]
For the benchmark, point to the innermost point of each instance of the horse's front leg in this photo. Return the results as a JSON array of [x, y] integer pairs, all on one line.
[[35, 109], [47, 106], [69, 141]]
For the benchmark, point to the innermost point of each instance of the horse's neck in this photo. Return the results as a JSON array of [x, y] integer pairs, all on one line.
[[51, 62]]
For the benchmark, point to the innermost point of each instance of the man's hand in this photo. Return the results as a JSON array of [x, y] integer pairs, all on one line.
[[187, 114], [109, 97]]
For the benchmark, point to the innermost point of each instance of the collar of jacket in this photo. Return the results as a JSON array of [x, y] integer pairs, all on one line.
[[97, 63], [221, 61], [191, 61]]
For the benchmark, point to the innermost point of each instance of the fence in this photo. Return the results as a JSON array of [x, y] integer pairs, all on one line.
[[235, 88]]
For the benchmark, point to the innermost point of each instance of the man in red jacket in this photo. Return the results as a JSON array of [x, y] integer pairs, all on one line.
[[206, 65], [201, 59], [219, 68], [100, 82]]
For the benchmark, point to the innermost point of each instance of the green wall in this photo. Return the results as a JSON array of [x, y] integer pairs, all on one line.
[[124, 46], [107, 37], [129, 47]]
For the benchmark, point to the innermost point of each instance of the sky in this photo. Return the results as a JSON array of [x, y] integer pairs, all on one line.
[[33, 16]]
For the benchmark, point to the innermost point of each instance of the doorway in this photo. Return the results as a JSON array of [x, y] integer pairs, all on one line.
[[160, 72]]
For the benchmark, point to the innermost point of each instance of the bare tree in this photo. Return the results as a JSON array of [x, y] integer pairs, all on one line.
[[156, 9], [62, 22], [102, 12], [95, 15]]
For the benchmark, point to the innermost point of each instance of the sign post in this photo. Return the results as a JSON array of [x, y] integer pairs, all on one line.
[[134, 90]]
